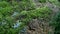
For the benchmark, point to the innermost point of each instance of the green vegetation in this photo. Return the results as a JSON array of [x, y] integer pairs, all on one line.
[[56, 23], [23, 11], [56, 19], [42, 1], [56, 2]]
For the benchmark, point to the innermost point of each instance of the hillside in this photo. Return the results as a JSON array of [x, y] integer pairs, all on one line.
[[29, 16]]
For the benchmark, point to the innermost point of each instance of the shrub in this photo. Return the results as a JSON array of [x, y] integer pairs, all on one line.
[[56, 23]]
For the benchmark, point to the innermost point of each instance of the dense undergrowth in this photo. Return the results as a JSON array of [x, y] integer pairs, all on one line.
[[56, 23], [21, 12], [56, 18]]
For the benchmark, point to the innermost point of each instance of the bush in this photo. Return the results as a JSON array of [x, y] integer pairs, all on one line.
[[4, 4], [56, 23]]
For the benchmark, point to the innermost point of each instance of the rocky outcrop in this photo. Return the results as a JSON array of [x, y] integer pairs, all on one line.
[[38, 27]]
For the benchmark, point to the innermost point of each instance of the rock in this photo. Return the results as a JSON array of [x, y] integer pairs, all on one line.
[[37, 27], [33, 24]]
